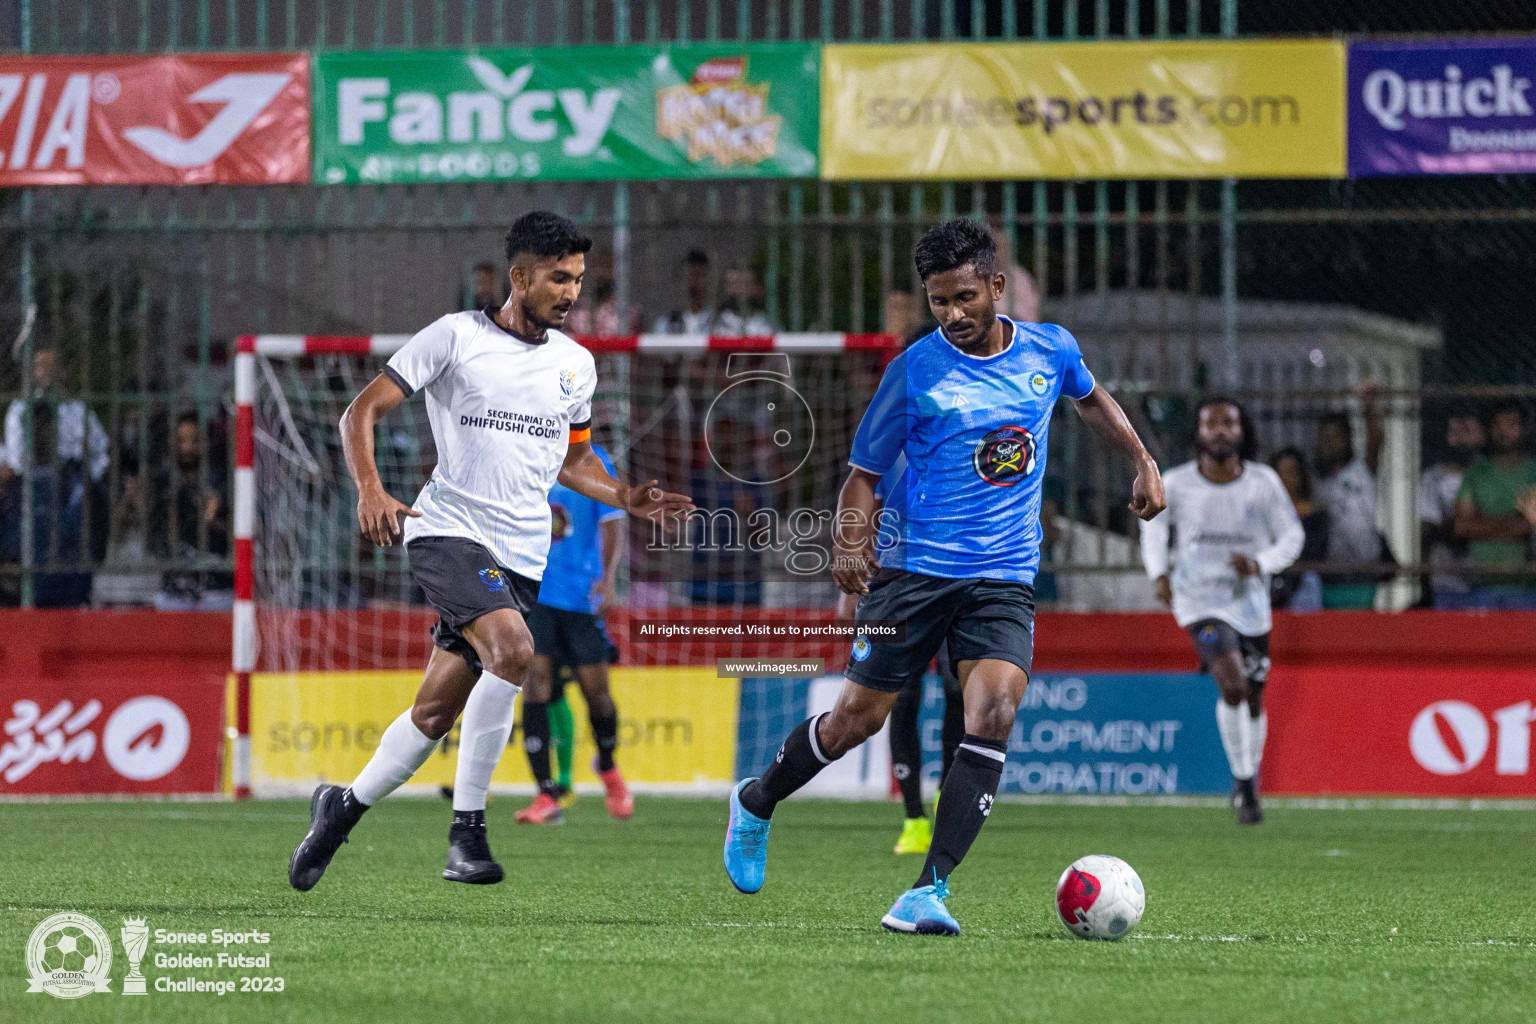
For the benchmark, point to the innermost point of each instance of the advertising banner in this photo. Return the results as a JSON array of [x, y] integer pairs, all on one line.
[[186, 120], [1442, 107], [677, 726], [1108, 734], [1084, 110], [1456, 732], [717, 111], [124, 732]]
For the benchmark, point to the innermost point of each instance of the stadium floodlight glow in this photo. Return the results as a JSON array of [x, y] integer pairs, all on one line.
[[295, 439]]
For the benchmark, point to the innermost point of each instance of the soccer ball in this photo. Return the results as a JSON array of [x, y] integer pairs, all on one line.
[[1100, 897], [69, 949]]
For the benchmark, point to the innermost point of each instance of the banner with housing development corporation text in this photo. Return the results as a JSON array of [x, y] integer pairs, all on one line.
[[715, 111], [1442, 107], [1162, 109]]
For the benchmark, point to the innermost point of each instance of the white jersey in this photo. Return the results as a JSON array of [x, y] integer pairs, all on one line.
[[1251, 515], [502, 411]]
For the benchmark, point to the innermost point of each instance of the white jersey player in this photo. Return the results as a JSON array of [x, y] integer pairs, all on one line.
[[1233, 527], [509, 399]]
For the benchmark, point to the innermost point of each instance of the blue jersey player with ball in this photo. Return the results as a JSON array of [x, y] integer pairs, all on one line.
[[970, 407]]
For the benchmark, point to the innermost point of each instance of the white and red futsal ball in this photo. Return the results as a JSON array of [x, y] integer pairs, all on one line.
[[1100, 897]]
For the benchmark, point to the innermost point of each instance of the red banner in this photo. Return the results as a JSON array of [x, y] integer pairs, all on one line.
[[187, 120], [117, 735], [1422, 731]]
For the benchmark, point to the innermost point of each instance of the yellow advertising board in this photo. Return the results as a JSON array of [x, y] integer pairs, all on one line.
[[677, 726], [1251, 109]]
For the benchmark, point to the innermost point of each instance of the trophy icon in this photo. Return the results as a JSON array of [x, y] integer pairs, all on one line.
[[135, 937]]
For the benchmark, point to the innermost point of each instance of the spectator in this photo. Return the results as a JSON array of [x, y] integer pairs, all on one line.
[[76, 433], [189, 522], [1496, 512], [699, 317], [1346, 484], [601, 316], [1438, 488], [1300, 590], [903, 317], [1021, 300], [741, 311], [486, 287]]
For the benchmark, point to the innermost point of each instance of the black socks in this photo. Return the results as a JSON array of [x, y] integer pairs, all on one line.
[[964, 804], [536, 743], [907, 749], [468, 819], [351, 807], [798, 762], [605, 730]]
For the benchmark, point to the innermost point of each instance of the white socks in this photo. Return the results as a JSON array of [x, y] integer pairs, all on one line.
[[1242, 736], [402, 750], [483, 736]]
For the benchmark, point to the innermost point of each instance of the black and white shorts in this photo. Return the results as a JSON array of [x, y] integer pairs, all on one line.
[[979, 618], [570, 638], [1214, 638], [463, 582]]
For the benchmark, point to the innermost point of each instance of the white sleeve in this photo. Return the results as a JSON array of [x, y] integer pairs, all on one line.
[[1284, 527], [1429, 498], [423, 359], [581, 401], [96, 445], [13, 435], [1154, 542]]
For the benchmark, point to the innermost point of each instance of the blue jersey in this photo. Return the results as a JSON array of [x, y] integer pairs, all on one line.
[[974, 432], [575, 549]]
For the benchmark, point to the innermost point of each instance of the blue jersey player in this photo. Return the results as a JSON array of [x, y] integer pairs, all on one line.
[[970, 408]]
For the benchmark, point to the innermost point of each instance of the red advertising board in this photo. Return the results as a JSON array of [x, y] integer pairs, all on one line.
[[1455, 732], [185, 120], [121, 733]]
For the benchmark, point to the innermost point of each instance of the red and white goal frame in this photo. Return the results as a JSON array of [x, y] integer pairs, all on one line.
[[291, 346]]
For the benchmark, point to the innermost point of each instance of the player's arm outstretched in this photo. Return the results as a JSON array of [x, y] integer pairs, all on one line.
[[583, 472], [378, 512], [1101, 412]]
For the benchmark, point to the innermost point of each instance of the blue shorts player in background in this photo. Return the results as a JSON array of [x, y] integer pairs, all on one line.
[[970, 407], [586, 547]]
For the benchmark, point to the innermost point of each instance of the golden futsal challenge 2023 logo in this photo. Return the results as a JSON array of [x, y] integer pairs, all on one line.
[[720, 115]]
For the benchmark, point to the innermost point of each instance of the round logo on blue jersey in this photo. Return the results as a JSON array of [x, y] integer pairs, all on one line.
[[560, 525], [860, 648], [1005, 456], [1039, 383]]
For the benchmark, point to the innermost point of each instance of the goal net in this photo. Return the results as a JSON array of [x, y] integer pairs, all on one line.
[[756, 430]]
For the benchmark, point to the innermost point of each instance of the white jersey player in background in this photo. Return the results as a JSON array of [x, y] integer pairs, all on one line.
[[509, 399], [1233, 527]]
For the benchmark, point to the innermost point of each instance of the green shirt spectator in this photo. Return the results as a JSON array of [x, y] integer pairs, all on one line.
[[1495, 501]]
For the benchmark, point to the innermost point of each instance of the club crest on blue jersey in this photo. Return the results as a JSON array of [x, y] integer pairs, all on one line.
[[560, 524], [493, 579], [860, 648], [1039, 383], [1005, 456], [567, 382]]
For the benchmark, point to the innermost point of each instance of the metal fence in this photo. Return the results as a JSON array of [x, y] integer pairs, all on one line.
[[1175, 287]]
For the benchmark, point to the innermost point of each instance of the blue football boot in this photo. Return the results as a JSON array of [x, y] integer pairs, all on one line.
[[746, 845], [921, 911]]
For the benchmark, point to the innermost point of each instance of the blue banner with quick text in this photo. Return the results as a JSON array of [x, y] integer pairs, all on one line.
[[1442, 107]]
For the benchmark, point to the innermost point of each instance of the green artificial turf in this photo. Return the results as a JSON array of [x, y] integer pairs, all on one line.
[[615, 922]]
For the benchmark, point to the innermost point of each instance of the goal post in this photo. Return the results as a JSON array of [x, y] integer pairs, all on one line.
[[310, 597]]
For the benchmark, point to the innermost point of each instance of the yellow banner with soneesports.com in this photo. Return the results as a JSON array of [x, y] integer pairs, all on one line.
[[1220, 109]]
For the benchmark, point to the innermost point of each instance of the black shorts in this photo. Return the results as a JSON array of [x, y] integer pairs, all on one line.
[[979, 618], [569, 638], [463, 582], [1214, 638]]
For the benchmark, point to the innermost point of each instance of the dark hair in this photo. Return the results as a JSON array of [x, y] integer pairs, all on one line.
[[546, 235], [696, 258], [1301, 465], [1340, 420], [953, 244], [187, 417], [485, 265], [1504, 408], [1248, 447]]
